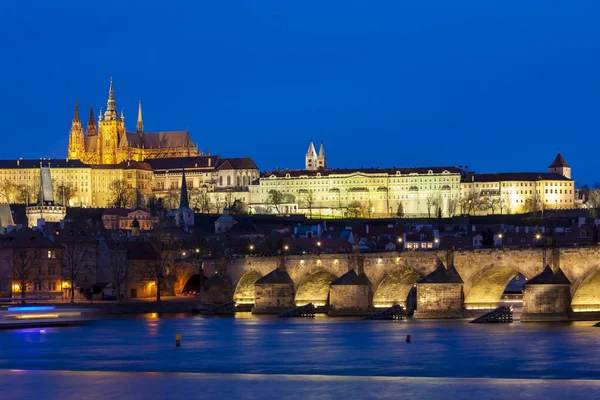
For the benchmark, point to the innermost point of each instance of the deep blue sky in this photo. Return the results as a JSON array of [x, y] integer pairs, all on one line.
[[496, 85]]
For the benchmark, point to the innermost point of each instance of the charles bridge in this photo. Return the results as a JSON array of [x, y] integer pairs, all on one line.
[[563, 283]]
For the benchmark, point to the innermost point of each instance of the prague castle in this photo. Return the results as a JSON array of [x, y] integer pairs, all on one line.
[[155, 164], [108, 142]]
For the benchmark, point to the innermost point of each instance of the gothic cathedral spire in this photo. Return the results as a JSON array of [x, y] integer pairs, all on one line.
[[76, 142], [111, 110], [140, 122], [91, 128], [184, 201]]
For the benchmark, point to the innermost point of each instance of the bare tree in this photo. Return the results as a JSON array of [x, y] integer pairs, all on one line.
[[275, 199], [161, 269], [171, 199], [121, 193], [76, 261], [308, 200], [451, 206], [495, 203], [117, 266], [66, 190], [432, 201], [24, 265], [200, 200], [238, 207], [7, 190]]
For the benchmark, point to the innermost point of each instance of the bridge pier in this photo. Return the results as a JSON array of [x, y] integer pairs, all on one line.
[[350, 294], [440, 295], [547, 297], [273, 293]]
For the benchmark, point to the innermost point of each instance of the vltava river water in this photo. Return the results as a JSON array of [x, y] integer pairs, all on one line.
[[270, 358]]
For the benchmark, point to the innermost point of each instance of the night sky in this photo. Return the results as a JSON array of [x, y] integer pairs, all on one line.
[[495, 85]]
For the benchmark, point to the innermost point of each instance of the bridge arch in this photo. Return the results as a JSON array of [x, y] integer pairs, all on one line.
[[192, 284], [485, 289], [244, 290], [585, 292], [315, 289], [395, 288]]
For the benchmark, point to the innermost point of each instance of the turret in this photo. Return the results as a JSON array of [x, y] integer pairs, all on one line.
[[322, 159], [311, 160], [560, 166], [140, 122]]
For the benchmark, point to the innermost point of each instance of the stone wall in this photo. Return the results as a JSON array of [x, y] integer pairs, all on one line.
[[439, 300], [273, 298], [350, 300], [546, 302]]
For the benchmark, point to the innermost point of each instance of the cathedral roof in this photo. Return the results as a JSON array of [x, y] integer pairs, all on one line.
[[559, 162], [516, 176], [157, 140]]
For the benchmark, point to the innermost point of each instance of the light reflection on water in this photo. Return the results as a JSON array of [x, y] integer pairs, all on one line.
[[313, 353]]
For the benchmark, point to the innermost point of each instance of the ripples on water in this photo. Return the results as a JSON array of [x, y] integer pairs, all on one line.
[[306, 357]]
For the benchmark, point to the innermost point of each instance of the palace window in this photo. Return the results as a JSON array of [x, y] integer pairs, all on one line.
[[51, 254]]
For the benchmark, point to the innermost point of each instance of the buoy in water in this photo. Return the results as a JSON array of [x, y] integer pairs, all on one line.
[[178, 340], [407, 338]]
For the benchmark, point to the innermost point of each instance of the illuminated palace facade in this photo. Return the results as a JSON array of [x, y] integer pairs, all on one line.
[[384, 192]]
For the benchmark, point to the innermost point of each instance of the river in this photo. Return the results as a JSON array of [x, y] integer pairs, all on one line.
[[327, 358]]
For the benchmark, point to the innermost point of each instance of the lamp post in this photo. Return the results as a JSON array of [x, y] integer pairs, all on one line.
[[500, 236]]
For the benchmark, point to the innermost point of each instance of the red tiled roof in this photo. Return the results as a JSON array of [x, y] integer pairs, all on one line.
[[559, 162]]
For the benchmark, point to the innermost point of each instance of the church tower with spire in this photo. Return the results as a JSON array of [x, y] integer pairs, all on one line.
[[184, 215], [76, 137], [111, 130], [140, 121], [311, 159]]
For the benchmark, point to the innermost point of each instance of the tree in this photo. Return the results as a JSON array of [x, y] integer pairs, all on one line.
[[451, 206], [64, 189], [400, 210], [275, 199], [161, 269], [7, 190], [238, 207], [76, 261], [432, 201], [22, 192], [117, 265], [171, 199], [308, 200], [355, 209], [495, 203], [200, 200], [24, 264], [121, 193]]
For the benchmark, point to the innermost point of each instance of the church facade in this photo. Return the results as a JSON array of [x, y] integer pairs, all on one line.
[[108, 142]]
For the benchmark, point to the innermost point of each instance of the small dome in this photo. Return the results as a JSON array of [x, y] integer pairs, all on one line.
[[135, 223]]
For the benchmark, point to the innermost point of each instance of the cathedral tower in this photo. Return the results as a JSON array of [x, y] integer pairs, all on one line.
[[110, 131], [311, 159], [76, 141]]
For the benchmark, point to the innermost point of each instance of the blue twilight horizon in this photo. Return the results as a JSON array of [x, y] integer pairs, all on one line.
[[497, 86]]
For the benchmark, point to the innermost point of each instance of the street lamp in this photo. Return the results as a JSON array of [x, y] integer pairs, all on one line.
[[399, 240], [286, 247]]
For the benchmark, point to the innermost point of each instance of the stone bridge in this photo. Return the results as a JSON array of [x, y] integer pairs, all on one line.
[[351, 282]]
